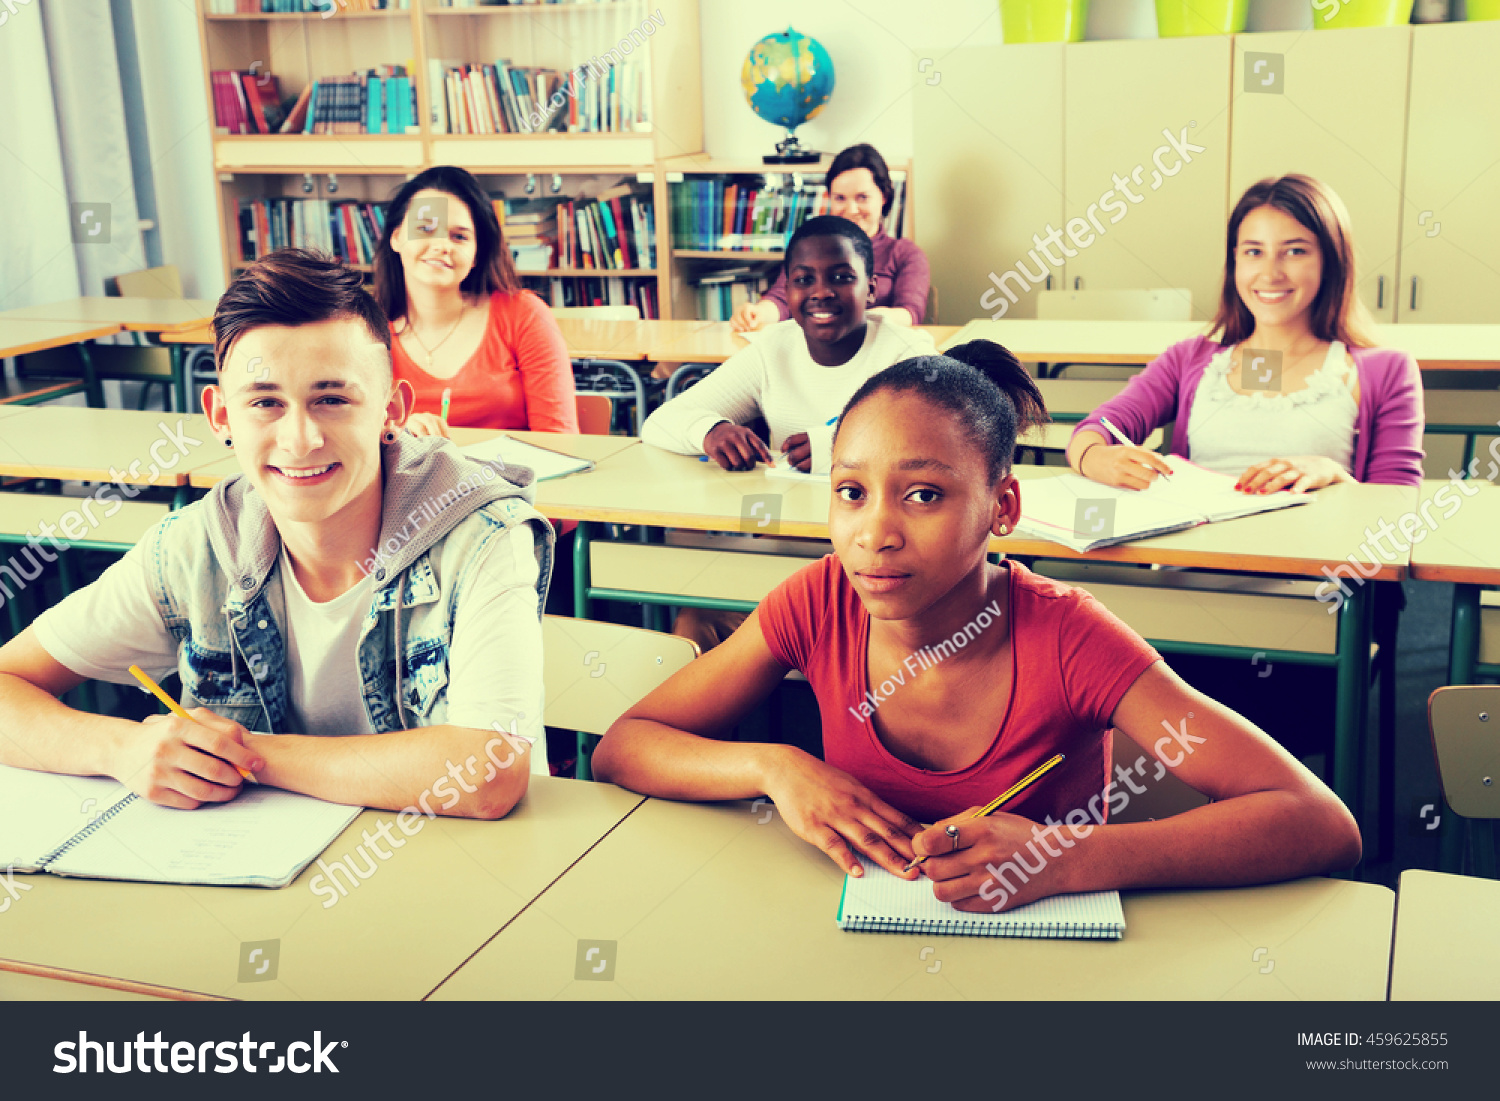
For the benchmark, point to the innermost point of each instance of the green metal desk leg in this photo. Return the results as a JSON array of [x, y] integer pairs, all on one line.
[[182, 495], [1352, 700], [1463, 655], [179, 376], [93, 391], [581, 539]]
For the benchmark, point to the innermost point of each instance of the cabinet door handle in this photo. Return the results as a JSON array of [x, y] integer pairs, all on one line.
[[1380, 292], [1078, 282], [1413, 292], [1049, 282]]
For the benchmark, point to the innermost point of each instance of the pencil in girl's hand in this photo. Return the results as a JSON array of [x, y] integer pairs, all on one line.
[[1006, 796], [176, 708]]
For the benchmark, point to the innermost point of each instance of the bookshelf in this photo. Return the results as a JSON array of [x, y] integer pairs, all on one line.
[[697, 256], [424, 36]]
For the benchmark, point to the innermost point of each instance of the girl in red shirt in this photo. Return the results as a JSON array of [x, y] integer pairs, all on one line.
[[460, 320], [942, 678]]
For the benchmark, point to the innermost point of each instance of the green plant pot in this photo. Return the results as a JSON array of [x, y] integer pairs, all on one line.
[[1043, 20], [1483, 9], [1329, 14], [1180, 18]]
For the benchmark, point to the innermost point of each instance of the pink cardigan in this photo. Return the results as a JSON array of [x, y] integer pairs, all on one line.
[[1387, 428]]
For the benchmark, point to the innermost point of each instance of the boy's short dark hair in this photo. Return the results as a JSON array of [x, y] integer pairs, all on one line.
[[831, 225], [294, 286]]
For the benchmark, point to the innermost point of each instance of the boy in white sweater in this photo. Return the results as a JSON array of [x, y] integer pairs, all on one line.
[[797, 374]]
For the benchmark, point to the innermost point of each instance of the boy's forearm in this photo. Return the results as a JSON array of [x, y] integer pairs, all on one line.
[[39, 731], [438, 769]]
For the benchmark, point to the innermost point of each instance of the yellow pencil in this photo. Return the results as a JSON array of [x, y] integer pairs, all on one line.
[[173, 706], [1015, 789]]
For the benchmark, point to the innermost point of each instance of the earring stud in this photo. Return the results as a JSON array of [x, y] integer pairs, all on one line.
[[228, 442]]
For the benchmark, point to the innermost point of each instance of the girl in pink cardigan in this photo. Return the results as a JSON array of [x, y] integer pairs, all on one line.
[[1292, 395]]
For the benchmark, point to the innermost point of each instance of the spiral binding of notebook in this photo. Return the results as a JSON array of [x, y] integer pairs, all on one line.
[[879, 902], [88, 831]]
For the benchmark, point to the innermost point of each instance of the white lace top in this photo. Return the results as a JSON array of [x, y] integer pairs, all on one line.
[[1233, 431]]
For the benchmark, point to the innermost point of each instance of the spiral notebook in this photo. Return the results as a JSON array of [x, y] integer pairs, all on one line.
[[879, 902], [543, 461], [99, 829]]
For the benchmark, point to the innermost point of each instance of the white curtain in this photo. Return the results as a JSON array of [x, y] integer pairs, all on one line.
[[63, 154]]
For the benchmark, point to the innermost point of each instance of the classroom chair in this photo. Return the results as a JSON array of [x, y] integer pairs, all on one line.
[[595, 671], [143, 362], [1468, 414], [1164, 304], [613, 378], [596, 413], [1465, 726], [686, 375]]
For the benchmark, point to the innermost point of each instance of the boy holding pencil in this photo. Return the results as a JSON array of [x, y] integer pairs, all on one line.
[[356, 612]]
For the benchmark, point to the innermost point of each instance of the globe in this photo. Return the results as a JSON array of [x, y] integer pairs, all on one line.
[[787, 78]]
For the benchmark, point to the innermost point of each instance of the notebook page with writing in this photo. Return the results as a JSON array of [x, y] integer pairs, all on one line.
[[543, 462], [41, 811], [263, 838], [1212, 494], [879, 902], [1050, 510]]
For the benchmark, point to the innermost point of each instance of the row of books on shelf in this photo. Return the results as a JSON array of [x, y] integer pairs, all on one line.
[[501, 98], [347, 228], [754, 213], [378, 101], [720, 294], [615, 231], [293, 7], [520, 3], [594, 290]]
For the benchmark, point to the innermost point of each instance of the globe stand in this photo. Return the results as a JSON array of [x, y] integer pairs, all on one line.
[[790, 151]]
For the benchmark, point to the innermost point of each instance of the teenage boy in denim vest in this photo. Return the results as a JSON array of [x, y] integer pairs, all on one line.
[[356, 617]]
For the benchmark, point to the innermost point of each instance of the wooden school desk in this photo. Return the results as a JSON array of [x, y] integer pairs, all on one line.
[[423, 911], [723, 901], [102, 445], [136, 315], [1464, 549], [22, 335], [1446, 946], [593, 448], [716, 341]]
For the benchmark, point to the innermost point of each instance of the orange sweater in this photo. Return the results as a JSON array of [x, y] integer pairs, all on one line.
[[520, 377]]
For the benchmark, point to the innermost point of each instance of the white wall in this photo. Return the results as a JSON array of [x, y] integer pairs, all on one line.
[[877, 48], [181, 150]]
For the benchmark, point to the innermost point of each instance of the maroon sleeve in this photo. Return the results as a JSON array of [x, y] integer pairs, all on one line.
[[792, 613], [777, 294], [913, 278], [1099, 657]]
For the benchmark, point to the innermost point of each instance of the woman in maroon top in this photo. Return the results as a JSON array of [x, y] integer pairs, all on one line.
[[859, 188], [942, 679]]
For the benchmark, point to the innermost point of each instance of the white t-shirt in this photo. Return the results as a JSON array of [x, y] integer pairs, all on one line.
[[777, 379], [494, 655]]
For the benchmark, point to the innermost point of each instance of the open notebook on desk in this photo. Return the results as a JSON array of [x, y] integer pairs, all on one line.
[[1085, 514], [544, 462], [99, 829], [879, 902]]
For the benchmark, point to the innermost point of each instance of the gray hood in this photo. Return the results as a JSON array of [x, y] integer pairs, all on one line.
[[430, 487]]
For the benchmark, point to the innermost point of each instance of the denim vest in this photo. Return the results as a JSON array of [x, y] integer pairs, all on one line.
[[215, 576]]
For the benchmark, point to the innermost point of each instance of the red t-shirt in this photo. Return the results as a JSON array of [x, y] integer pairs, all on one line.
[[520, 377], [1071, 662]]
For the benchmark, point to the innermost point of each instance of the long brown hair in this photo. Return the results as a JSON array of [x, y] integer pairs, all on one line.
[[1337, 313], [493, 270], [864, 155]]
